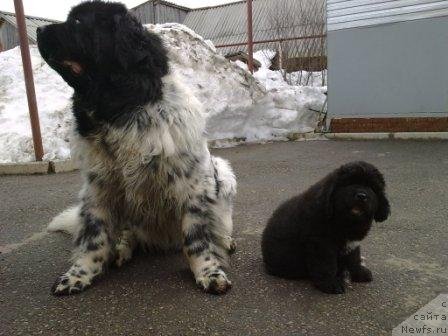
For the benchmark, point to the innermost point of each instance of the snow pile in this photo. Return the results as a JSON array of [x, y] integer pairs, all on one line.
[[237, 104], [53, 100], [274, 78]]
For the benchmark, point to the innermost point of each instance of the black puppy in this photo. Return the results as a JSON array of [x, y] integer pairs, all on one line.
[[316, 234]]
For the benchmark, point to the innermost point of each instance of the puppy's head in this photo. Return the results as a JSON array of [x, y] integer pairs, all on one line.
[[355, 179], [355, 206], [355, 201], [97, 41], [354, 195]]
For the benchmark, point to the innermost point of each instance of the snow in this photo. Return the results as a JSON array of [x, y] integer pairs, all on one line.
[[238, 106], [53, 99]]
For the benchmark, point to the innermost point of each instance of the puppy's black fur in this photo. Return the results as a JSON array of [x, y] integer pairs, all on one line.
[[314, 235], [112, 62]]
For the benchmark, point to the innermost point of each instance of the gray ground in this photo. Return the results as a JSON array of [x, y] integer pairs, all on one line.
[[156, 295]]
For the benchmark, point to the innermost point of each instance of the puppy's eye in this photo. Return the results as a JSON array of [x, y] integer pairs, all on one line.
[[77, 21]]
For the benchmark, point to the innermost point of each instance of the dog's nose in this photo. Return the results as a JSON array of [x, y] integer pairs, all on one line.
[[361, 196]]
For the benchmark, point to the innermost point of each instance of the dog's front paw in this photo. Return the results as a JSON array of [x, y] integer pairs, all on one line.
[[215, 282], [334, 286], [68, 284], [362, 274]]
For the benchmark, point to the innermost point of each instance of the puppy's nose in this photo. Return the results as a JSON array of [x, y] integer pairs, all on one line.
[[361, 196]]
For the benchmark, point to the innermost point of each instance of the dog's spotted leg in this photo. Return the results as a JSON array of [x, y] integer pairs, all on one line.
[[93, 249], [125, 247], [206, 252]]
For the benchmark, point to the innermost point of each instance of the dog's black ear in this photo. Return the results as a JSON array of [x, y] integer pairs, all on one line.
[[324, 195], [383, 210], [136, 48], [376, 181], [129, 38]]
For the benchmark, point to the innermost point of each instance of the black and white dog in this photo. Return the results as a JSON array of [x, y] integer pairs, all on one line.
[[149, 177], [316, 234]]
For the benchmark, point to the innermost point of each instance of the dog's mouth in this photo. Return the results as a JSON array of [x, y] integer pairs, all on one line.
[[357, 211], [74, 67]]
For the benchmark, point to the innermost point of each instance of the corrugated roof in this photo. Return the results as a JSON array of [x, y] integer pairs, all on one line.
[[272, 19], [32, 22], [163, 2], [343, 14]]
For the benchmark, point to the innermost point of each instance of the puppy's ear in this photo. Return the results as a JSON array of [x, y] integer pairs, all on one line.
[[376, 181], [324, 197], [383, 210], [136, 48], [367, 173]]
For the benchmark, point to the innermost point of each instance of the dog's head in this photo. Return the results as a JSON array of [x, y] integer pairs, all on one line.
[[354, 195], [98, 42], [356, 202], [354, 208]]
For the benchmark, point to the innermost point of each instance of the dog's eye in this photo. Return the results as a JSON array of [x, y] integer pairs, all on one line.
[[77, 21]]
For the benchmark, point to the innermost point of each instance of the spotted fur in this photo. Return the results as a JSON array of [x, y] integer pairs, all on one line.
[[149, 178]]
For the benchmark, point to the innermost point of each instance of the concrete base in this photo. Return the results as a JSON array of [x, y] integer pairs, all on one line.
[[44, 167], [29, 168], [63, 166]]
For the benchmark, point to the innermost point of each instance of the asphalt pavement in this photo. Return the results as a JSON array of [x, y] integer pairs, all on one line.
[[156, 294]]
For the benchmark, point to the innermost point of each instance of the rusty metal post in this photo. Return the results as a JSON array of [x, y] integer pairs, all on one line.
[[29, 81], [250, 37], [280, 55]]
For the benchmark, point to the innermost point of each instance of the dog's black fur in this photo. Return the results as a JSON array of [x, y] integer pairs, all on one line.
[[312, 235], [120, 64], [149, 178]]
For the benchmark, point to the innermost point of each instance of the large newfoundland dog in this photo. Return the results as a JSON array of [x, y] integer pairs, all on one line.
[[316, 235], [149, 178]]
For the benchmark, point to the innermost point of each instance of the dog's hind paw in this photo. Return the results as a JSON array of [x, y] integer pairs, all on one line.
[[331, 287], [68, 284], [215, 282], [124, 254], [232, 246], [362, 274], [124, 248]]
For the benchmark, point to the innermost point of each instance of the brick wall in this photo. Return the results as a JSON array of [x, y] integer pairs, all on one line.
[[371, 125]]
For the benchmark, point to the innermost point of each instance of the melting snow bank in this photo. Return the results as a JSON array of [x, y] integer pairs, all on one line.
[[53, 100], [238, 105]]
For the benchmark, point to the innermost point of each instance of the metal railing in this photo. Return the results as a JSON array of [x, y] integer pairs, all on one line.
[[297, 38]]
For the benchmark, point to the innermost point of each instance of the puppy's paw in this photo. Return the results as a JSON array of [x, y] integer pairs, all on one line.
[[68, 284], [362, 274], [334, 286], [214, 282]]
